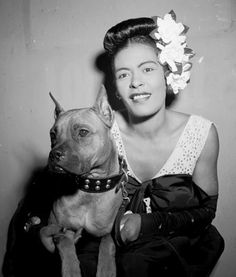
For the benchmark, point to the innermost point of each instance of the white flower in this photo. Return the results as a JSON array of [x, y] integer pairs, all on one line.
[[178, 81], [171, 53], [171, 41], [168, 29]]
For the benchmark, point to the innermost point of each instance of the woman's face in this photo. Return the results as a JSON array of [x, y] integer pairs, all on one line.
[[140, 79]]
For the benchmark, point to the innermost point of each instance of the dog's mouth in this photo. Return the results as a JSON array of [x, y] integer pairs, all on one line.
[[57, 169]]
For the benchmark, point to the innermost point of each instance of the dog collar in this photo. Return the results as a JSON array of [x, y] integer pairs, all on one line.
[[103, 184], [99, 185]]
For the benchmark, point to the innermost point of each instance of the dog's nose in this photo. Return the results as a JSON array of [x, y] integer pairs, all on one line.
[[56, 155]]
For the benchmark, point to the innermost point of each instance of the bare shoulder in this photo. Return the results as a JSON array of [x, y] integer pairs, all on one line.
[[211, 148], [205, 172]]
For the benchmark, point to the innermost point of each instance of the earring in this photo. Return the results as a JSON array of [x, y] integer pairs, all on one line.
[[118, 96]]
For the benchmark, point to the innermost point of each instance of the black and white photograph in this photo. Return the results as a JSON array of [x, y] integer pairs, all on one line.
[[117, 138]]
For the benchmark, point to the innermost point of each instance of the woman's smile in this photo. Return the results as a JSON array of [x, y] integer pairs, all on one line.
[[140, 97]]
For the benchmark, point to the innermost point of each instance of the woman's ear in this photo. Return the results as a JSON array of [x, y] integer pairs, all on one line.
[[103, 108]]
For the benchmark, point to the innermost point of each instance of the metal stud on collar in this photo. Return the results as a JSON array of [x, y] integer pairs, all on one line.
[[108, 185]]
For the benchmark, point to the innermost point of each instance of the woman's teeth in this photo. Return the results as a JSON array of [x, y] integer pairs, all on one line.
[[138, 97]]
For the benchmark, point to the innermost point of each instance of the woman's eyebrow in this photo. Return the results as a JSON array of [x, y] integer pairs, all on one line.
[[143, 63], [122, 68]]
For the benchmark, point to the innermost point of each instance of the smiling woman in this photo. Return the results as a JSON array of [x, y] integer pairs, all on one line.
[[171, 156]]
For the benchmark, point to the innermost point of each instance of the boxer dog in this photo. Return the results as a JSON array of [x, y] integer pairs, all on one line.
[[82, 145]]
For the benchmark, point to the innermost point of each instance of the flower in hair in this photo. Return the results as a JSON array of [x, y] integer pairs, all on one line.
[[171, 41], [168, 29], [171, 54], [178, 81]]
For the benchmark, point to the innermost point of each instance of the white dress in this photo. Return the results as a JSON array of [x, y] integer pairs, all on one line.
[[186, 152]]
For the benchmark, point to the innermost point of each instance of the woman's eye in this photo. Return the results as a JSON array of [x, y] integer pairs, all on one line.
[[148, 69], [122, 76], [83, 132]]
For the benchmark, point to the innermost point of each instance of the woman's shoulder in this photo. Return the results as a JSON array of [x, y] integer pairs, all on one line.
[[195, 128], [211, 147], [179, 118], [202, 128]]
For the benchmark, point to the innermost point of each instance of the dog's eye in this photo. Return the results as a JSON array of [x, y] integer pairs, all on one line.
[[83, 132]]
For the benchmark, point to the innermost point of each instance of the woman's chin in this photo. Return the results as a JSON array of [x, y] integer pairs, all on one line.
[[142, 115]]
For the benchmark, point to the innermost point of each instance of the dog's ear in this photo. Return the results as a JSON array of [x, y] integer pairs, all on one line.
[[103, 108], [58, 109]]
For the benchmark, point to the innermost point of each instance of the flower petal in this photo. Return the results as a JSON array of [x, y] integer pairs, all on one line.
[[159, 46]]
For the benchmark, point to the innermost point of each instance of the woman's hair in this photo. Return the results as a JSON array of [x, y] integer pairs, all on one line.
[[135, 30]]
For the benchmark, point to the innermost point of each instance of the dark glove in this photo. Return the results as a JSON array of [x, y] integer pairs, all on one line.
[[184, 222]]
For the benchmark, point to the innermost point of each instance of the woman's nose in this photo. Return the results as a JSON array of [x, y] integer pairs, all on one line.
[[136, 81]]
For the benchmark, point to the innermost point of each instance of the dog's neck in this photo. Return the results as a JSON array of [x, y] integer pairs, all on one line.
[[109, 168]]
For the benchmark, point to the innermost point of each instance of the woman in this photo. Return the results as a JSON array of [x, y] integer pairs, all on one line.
[[166, 152]]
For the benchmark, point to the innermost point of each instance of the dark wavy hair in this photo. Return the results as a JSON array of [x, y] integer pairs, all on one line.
[[135, 30]]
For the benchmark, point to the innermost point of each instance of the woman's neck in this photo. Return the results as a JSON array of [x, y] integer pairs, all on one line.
[[148, 127]]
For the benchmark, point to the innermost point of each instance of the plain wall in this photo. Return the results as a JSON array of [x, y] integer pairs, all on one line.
[[51, 45]]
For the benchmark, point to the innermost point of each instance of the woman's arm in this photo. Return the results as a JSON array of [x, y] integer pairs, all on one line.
[[188, 222], [185, 222]]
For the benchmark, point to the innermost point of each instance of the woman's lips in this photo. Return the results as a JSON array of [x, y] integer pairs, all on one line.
[[140, 97]]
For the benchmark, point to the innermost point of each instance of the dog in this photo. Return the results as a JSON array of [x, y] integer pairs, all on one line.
[[82, 145]]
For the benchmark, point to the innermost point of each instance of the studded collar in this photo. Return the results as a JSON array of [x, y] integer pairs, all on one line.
[[103, 184], [97, 185]]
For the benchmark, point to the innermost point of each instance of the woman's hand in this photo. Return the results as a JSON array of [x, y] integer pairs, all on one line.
[[130, 227], [47, 234]]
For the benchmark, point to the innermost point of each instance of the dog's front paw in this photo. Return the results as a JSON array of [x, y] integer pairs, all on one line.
[[107, 269], [106, 258]]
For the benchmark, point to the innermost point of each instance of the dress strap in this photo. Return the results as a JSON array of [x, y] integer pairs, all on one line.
[[189, 147]]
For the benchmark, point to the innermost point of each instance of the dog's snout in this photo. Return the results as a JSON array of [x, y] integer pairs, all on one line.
[[56, 155]]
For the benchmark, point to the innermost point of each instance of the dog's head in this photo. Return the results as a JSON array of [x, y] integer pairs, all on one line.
[[81, 141]]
